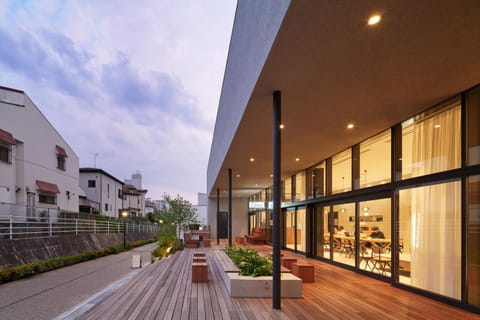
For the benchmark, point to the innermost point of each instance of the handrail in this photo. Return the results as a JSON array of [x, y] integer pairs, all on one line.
[[22, 227]]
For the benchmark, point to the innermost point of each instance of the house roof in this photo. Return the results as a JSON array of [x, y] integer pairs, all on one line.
[[97, 170], [333, 69], [47, 186], [7, 137]]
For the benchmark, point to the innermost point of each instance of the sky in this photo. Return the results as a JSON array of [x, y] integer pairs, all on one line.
[[136, 82]]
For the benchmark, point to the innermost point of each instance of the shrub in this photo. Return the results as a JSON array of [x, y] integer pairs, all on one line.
[[250, 262], [30, 269]]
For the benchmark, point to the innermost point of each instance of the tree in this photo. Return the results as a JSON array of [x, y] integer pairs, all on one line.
[[179, 212]]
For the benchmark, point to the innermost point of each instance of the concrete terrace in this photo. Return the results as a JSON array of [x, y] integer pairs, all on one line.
[[164, 290]]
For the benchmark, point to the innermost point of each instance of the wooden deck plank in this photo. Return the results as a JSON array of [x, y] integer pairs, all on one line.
[[164, 290]]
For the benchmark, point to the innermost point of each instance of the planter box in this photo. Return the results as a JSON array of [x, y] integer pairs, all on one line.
[[255, 287], [261, 287]]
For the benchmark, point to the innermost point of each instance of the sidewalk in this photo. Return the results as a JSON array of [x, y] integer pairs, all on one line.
[[50, 294]]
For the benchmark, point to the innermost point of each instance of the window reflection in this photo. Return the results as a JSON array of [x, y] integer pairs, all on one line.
[[342, 172]]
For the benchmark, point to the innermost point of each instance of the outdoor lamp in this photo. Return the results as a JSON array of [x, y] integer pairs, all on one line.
[[124, 215]]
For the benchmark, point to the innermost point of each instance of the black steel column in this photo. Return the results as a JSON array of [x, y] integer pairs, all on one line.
[[277, 112], [218, 213], [229, 207]]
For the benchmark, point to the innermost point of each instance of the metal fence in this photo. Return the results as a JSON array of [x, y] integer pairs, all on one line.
[[16, 223]]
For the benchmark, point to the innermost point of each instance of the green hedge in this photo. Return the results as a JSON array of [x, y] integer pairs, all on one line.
[[31, 269]]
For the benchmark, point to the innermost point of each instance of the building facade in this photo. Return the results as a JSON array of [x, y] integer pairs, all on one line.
[[103, 191], [134, 200], [201, 207], [38, 169], [380, 139]]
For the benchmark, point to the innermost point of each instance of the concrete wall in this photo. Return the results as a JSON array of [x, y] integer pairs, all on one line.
[[16, 252], [35, 157], [254, 30], [239, 215]]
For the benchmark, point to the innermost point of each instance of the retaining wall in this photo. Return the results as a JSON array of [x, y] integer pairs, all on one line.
[[21, 251]]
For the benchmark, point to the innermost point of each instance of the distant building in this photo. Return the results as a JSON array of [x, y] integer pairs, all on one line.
[[202, 207], [38, 169], [134, 200], [136, 180], [104, 192]]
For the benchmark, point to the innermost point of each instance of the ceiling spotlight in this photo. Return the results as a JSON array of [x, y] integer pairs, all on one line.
[[282, 126], [238, 176], [373, 20], [436, 126], [271, 176], [252, 159], [350, 126], [297, 159]]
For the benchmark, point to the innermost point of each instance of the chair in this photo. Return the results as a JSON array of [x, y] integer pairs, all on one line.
[[366, 256], [382, 261], [348, 248]]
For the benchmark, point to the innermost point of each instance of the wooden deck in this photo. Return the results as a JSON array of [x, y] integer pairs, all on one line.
[[164, 290]]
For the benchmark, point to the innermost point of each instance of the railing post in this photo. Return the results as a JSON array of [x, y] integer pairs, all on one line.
[[118, 227], [94, 226], [76, 226], [108, 226], [11, 227], [50, 226]]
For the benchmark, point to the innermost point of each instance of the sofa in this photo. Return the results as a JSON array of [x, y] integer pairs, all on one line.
[[258, 235]]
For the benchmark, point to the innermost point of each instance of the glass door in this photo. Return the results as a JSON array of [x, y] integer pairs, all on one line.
[[322, 234], [290, 229]]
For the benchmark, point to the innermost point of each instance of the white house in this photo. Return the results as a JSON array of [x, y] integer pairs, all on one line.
[[38, 169], [104, 190], [134, 200]]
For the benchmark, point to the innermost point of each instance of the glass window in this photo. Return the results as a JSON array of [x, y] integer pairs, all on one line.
[[473, 126], [91, 183], [5, 154], [301, 230], [316, 181], [430, 230], [375, 236], [375, 163], [287, 190], [322, 234], [290, 229], [344, 233], [431, 141], [473, 241], [342, 172], [300, 186]]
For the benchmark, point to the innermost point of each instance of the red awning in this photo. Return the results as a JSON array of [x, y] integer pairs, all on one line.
[[7, 137], [61, 151], [47, 186]]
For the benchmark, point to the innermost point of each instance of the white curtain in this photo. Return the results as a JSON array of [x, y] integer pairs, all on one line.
[[436, 210]]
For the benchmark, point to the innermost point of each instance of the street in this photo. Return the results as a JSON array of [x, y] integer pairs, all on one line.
[[51, 294]]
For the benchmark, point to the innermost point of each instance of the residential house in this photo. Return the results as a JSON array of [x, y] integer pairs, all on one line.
[[38, 168], [134, 200], [104, 192]]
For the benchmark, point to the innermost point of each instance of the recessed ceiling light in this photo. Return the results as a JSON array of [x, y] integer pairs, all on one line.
[[252, 159], [373, 20], [271, 176], [297, 159], [238, 176], [350, 126], [282, 126], [436, 126]]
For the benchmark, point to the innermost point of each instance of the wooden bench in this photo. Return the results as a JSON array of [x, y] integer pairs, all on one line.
[[258, 235], [304, 271], [225, 262], [191, 242]]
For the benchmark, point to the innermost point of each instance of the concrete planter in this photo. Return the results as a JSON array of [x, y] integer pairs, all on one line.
[[257, 287]]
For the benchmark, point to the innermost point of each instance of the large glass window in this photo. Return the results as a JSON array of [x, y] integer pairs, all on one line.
[[473, 241], [431, 141], [300, 186], [375, 236], [321, 232], [430, 234], [375, 164], [344, 233], [473, 126], [342, 172], [290, 229], [287, 190], [316, 181], [301, 229]]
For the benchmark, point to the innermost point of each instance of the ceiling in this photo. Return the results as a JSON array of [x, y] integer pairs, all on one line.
[[334, 69]]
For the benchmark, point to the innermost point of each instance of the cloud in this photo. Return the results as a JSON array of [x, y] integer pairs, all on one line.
[[138, 85]]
